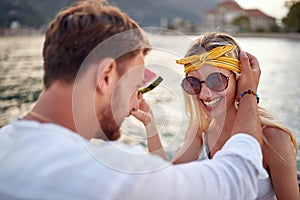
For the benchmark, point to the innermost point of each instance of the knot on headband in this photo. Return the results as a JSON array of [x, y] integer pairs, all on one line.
[[215, 57]]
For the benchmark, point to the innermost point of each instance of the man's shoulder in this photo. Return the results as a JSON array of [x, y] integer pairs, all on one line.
[[124, 158], [52, 158], [39, 143], [62, 145], [18, 125]]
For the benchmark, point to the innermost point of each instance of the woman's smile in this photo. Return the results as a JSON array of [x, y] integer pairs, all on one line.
[[213, 102]]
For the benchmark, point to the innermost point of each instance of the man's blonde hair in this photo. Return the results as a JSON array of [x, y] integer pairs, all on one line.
[[77, 30]]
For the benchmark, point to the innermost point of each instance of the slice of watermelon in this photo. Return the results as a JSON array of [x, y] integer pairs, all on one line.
[[151, 81]]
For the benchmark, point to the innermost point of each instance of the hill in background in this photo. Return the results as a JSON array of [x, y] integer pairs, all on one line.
[[151, 12], [31, 13], [35, 13]]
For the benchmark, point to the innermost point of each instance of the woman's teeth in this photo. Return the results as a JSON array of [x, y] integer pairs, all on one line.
[[212, 103]]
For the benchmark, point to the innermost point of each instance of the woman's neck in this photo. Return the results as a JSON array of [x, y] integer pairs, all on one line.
[[220, 130]]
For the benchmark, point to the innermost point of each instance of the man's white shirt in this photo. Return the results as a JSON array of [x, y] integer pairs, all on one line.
[[47, 161]]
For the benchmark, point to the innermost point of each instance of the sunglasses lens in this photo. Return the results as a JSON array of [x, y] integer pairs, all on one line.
[[216, 82], [191, 85]]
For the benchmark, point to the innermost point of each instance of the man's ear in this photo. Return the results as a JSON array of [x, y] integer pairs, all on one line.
[[106, 75]]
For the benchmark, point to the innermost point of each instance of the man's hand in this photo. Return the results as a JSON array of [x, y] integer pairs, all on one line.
[[247, 118], [250, 71]]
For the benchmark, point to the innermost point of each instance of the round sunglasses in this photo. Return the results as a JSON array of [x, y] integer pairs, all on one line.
[[216, 82]]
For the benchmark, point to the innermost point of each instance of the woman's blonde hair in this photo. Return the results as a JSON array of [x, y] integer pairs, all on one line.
[[205, 43]]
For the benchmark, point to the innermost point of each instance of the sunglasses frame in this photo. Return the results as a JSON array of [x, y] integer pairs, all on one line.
[[200, 83]]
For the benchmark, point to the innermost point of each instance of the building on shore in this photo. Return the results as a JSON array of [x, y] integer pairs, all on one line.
[[231, 17]]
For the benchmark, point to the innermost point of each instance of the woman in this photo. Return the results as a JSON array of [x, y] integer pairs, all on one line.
[[212, 71]]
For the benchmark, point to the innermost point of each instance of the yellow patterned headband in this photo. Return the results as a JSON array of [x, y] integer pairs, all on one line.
[[214, 57]]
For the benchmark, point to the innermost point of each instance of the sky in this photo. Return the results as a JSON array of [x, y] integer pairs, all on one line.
[[273, 8]]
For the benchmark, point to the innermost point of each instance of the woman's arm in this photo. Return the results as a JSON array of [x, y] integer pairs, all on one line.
[[190, 150], [281, 160], [145, 115], [154, 143]]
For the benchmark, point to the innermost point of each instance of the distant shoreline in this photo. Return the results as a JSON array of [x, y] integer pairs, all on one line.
[[33, 32], [295, 36]]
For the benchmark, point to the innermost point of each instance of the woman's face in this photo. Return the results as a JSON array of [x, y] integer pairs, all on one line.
[[215, 104]]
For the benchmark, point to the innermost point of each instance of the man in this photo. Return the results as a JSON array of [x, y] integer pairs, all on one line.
[[93, 66]]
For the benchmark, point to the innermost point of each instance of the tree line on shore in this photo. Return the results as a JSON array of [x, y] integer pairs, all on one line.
[[32, 16]]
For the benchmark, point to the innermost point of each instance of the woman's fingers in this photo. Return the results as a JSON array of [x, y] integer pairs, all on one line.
[[143, 105], [144, 117]]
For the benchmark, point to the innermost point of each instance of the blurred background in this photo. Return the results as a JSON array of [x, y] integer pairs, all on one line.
[[189, 16], [269, 29]]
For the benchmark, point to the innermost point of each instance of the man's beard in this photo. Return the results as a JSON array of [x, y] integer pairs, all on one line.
[[109, 126]]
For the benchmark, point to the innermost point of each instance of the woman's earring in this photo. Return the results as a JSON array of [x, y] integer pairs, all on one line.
[[236, 104]]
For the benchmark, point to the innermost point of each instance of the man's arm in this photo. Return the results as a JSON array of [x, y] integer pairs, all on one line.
[[247, 119], [232, 174]]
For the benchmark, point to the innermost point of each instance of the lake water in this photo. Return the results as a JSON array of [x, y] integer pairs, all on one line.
[[21, 82]]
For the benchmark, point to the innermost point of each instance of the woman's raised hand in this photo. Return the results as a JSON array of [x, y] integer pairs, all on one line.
[[143, 113]]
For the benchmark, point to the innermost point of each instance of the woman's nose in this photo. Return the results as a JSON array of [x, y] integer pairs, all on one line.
[[205, 92]]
